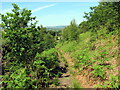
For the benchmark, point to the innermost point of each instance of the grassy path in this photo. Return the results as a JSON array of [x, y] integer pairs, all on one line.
[[67, 80], [73, 78]]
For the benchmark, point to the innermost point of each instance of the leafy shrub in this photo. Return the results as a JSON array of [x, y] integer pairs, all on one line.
[[45, 67], [24, 66], [17, 78], [41, 72], [21, 38]]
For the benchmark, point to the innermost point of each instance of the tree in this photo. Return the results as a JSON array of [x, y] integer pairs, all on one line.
[[106, 13], [71, 32], [83, 27], [23, 43], [21, 36]]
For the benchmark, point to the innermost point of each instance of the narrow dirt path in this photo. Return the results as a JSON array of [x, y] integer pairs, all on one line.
[[81, 79], [65, 79]]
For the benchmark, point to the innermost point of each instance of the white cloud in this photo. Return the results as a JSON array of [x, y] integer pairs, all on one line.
[[43, 7], [35, 10]]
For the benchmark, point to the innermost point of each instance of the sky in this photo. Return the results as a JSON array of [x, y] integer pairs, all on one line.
[[53, 13]]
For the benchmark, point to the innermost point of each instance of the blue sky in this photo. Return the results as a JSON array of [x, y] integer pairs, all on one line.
[[54, 13]]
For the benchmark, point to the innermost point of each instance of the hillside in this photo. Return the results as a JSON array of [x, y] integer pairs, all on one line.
[[94, 62], [55, 27], [93, 47]]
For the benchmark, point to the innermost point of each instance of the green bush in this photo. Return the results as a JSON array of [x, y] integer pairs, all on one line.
[[40, 74], [16, 78], [45, 67], [26, 63]]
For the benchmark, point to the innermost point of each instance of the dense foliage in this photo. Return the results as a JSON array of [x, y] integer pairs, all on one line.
[[27, 60], [70, 32], [90, 45]]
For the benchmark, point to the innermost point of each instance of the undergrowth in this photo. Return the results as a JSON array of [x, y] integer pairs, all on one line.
[[97, 54]]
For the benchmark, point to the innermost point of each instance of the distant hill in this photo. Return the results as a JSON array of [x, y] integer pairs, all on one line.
[[55, 27]]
